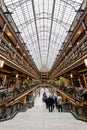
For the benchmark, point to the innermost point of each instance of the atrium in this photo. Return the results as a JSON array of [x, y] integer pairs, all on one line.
[[43, 45]]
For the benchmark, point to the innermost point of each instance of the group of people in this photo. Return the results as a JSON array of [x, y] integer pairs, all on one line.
[[53, 101]]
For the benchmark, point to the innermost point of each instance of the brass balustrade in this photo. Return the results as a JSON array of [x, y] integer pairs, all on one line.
[[18, 59], [79, 51]]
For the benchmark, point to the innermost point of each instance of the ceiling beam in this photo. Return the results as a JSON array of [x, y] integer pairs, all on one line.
[[36, 29], [50, 30]]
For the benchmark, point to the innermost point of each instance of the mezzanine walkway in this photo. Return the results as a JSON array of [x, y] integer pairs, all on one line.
[[38, 118]]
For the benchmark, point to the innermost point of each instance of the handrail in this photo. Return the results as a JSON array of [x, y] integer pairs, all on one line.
[[72, 99], [14, 99], [65, 65]]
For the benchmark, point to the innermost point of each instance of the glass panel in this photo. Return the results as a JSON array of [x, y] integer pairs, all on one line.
[[42, 30]]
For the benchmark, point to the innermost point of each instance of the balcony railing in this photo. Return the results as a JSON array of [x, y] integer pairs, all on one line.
[[11, 53], [76, 55]]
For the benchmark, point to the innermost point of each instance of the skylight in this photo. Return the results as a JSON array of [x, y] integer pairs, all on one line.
[[44, 25]]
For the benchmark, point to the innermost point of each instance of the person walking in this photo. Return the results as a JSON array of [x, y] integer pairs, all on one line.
[[50, 104], [59, 104], [55, 101]]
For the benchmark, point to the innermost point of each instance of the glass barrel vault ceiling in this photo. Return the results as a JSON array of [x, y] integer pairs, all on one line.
[[43, 25]]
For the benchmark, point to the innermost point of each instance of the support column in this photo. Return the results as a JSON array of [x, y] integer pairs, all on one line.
[[84, 80], [79, 81], [3, 30]]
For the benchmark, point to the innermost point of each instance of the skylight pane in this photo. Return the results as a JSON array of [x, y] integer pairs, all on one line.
[[42, 30]]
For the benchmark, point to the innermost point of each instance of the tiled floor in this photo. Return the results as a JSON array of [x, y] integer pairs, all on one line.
[[38, 118]]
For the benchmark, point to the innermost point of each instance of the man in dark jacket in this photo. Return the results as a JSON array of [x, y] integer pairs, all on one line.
[[50, 103]]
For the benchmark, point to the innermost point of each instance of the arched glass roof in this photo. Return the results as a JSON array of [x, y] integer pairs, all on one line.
[[43, 25]]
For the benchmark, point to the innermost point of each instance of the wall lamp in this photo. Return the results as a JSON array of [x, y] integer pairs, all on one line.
[[16, 75], [1, 63], [85, 60], [71, 75]]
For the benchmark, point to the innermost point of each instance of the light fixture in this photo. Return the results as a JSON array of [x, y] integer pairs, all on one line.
[[69, 31], [16, 75], [71, 75], [66, 57], [9, 34], [8, 12], [79, 32], [5, 77], [28, 78], [1, 63], [23, 54], [78, 43], [70, 45], [85, 60], [18, 46], [9, 44], [80, 10], [60, 78]]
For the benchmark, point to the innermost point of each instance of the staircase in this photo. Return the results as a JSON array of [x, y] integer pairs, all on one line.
[[38, 118]]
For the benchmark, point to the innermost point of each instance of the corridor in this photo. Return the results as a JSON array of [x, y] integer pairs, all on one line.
[[38, 118]]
